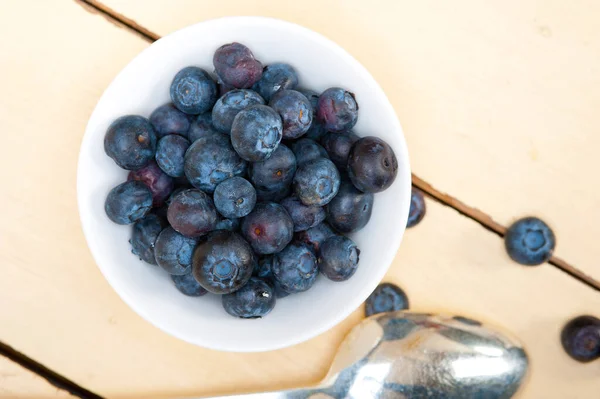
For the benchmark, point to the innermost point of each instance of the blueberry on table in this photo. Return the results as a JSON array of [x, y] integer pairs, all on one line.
[[316, 129], [295, 111], [144, 235], [228, 224], [128, 202], [529, 241], [192, 213], [235, 197], [276, 77], [224, 263], [193, 90], [295, 268], [131, 142], [387, 297], [228, 106], [256, 132], [350, 210], [170, 154], [338, 258], [372, 165], [307, 150], [417, 208], [338, 147], [211, 160], [580, 338], [201, 126], [173, 251], [337, 109], [157, 181], [187, 285], [254, 300], [303, 216], [268, 228], [275, 172], [315, 236], [236, 66], [316, 182], [167, 119]]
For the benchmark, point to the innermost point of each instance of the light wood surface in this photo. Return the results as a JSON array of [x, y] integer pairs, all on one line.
[[57, 308], [499, 100], [17, 382]]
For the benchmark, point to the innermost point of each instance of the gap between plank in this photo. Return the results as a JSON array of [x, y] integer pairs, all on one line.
[[475, 214], [52, 377]]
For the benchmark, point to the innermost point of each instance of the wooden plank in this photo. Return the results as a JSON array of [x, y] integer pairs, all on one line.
[[60, 59], [17, 382], [498, 100]]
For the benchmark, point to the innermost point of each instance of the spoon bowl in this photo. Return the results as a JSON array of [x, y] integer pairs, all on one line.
[[407, 355]]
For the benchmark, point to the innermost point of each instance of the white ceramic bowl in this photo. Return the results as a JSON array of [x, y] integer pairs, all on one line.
[[140, 88]]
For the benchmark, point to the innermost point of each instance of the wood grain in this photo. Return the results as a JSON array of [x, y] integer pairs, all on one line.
[[59, 60], [17, 382], [498, 100]]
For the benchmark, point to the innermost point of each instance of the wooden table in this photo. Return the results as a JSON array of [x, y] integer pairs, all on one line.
[[499, 102]]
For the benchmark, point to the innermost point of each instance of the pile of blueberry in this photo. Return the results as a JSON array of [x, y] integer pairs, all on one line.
[[244, 185]]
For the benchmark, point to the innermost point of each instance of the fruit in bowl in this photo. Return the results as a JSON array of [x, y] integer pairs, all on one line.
[[262, 175]]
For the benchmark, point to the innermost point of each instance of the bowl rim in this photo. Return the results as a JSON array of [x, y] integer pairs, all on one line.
[[404, 177]]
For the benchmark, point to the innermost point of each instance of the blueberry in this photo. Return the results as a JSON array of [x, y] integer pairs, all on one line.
[[372, 165], [307, 150], [264, 270], [253, 301], [316, 129], [529, 241], [274, 195], [167, 119], [417, 208], [275, 172], [295, 111], [228, 106], [235, 197], [350, 210], [256, 132], [264, 267], [193, 91], [316, 182], [337, 109], [201, 126], [338, 147], [187, 285], [268, 228], [224, 263], [144, 235], [580, 338], [236, 66], [131, 142], [170, 154], [303, 216], [276, 77], [295, 268], [128, 202], [211, 160], [173, 251], [228, 224], [338, 258], [158, 181], [192, 213], [387, 297], [315, 236], [223, 87]]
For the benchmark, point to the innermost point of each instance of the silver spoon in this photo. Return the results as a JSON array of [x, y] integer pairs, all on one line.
[[404, 355]]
